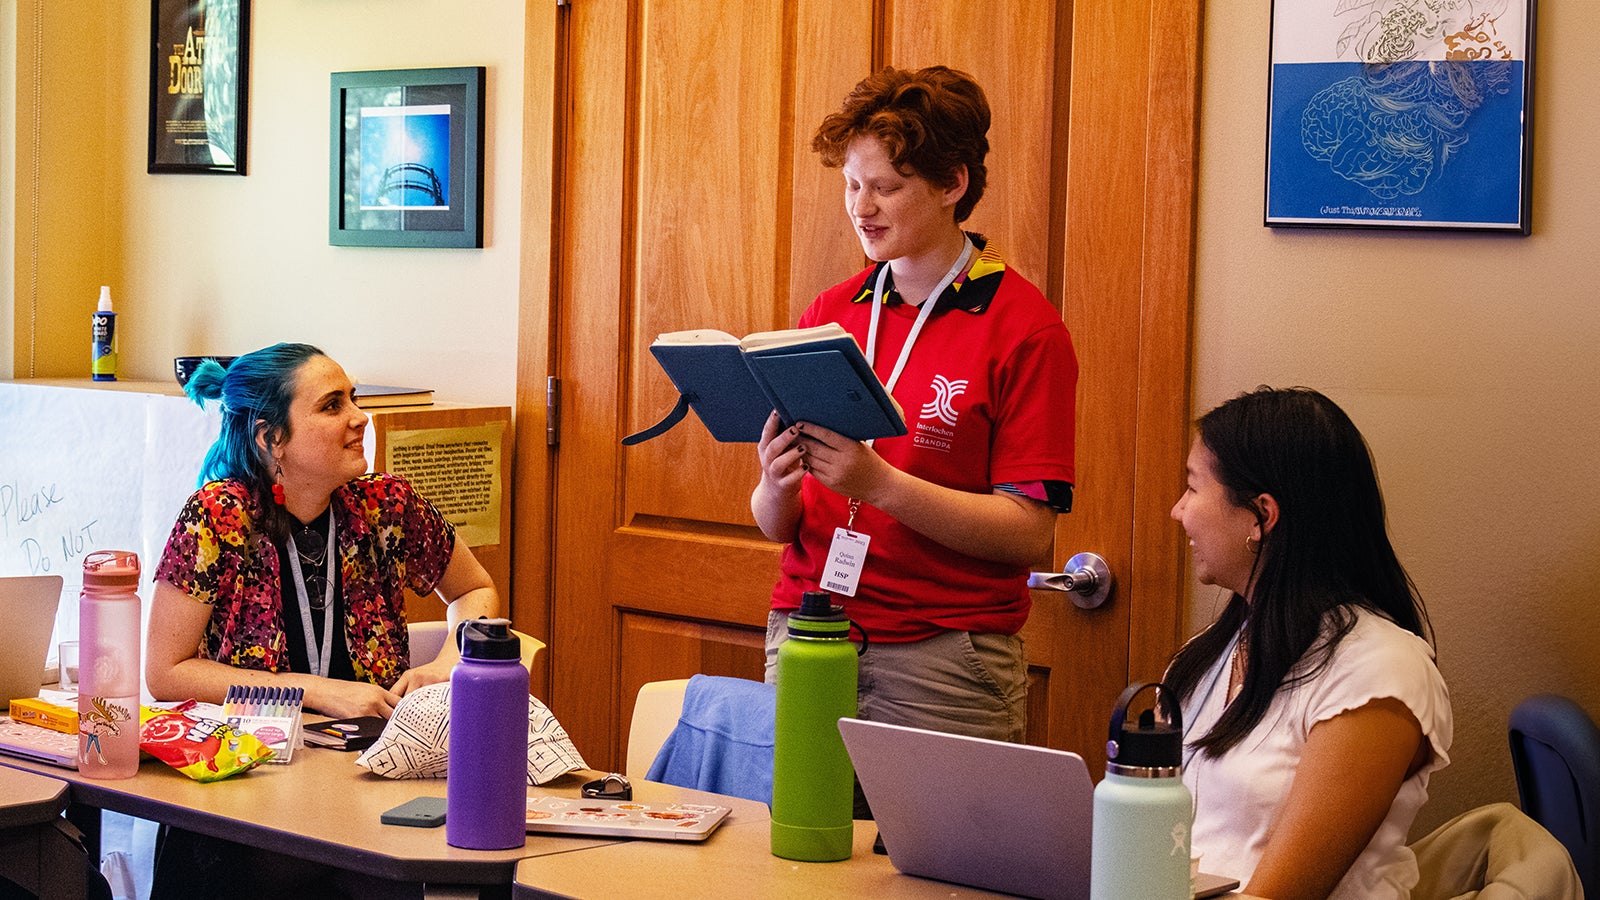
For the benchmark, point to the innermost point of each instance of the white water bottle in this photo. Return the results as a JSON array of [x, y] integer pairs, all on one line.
[[1142, 811], [108, 665]]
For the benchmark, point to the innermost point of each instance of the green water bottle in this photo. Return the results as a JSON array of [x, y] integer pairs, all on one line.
[[812, 779]]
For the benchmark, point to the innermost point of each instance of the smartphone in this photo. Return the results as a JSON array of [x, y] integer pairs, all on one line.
[[419, 812]]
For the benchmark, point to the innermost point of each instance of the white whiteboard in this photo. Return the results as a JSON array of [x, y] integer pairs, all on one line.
[[84, 469]]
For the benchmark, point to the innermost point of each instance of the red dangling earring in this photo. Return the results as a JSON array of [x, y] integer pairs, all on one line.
[[277, 488]]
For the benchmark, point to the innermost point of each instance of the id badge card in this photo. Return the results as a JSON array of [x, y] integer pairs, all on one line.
[[846, 556]]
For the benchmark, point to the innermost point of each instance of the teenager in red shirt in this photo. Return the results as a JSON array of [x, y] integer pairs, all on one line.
[[955, 512]]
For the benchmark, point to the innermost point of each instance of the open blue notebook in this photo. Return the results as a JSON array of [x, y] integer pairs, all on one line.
[[816, 375]]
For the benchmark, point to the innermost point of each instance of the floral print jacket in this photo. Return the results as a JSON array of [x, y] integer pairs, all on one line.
[[389, 539]]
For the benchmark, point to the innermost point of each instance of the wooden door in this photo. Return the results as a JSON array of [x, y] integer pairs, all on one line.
[[684, 194]]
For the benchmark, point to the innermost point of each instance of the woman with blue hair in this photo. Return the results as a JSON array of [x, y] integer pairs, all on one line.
[[289, 566]]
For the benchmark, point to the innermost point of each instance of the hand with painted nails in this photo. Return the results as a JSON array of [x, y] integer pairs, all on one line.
[[846, 467]]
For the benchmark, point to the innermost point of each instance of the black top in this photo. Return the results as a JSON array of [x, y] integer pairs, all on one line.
[[311, 541]]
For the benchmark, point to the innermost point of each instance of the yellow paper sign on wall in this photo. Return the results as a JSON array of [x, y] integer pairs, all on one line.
[[458, 470]]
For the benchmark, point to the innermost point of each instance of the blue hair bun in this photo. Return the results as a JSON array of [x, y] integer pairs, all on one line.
[[201, 377]]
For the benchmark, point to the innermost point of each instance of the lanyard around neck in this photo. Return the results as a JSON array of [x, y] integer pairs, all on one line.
[[319, 661], [922, 314]]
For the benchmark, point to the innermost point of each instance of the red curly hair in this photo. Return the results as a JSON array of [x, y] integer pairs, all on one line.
[[931, 121]]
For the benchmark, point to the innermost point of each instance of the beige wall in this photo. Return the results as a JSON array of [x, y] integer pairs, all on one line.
[[1469, 362], [221, 264], [8, 171]]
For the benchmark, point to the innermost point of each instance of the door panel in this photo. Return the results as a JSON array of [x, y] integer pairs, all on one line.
[[687, 197], [649, 644], [1010, 48]]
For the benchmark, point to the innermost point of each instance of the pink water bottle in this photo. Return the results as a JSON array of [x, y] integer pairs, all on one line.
[[108, 665], [486, 787]]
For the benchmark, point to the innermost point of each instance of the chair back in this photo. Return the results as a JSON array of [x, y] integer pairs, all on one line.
[[1555, 752], [723, 739], [1493, 851], [427, 639], [655, 714]]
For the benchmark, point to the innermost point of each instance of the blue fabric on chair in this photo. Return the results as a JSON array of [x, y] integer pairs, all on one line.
[[1555, 751], [723, 740]]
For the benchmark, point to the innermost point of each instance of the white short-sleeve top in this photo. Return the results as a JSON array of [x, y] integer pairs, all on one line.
[[1238, 795]]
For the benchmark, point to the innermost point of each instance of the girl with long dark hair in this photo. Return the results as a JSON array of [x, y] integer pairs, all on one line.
[[1313, 710]]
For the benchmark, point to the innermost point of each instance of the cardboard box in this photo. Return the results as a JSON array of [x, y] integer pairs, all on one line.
[[35, 711]]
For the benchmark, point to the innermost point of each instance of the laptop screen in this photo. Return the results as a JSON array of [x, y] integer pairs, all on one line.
[[28, 609]]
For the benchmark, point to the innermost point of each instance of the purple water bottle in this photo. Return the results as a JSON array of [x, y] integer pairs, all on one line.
[[486, 793]]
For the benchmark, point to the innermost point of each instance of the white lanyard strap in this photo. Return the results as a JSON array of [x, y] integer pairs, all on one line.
[[922, 314], [319, 661]]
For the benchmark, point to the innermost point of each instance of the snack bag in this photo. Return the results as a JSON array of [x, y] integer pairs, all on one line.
[[203, 749]]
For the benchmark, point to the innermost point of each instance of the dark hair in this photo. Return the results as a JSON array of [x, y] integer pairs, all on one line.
[[932, 121], [255, 390], [1327, 555]]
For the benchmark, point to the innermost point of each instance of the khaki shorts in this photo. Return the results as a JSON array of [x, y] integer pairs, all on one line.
[[955, 682]]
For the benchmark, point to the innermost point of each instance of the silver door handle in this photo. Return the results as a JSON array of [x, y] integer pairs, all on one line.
[[1086, 577]]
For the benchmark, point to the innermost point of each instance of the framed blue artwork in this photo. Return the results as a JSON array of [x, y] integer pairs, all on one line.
[[406, 166], [1400, 114]]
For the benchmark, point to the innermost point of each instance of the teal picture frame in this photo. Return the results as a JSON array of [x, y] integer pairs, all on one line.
[[405, 165]]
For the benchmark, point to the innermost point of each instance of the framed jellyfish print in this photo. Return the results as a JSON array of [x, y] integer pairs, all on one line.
[[406, 158], [1400, 114]]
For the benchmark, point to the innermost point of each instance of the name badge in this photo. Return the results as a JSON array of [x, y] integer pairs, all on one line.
[[846, 556]]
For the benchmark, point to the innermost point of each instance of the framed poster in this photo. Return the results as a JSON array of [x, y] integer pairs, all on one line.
[[199, 67], [406, 166], [1400, 114]]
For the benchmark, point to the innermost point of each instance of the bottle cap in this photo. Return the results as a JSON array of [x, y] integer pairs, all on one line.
[[1145, 743], [818, 617], [105, 298], [111, 568], [484, 638]]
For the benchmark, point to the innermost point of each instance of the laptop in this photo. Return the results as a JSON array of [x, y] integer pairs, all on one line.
[[988, 814], [623, 818], [38, 744], [28, 609]]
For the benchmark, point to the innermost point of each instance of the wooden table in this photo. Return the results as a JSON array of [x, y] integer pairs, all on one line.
[[323, 808], [736, 863], [37, 846]]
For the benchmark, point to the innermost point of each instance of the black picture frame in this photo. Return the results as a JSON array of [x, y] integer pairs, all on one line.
[[199, 86], [1383, 116], [405, 166]]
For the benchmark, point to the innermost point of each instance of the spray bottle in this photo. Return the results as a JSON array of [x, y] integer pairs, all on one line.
[[103, 349]]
